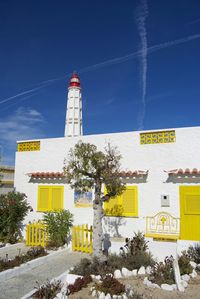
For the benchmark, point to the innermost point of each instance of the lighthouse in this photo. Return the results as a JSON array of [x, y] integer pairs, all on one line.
[[73, 122]]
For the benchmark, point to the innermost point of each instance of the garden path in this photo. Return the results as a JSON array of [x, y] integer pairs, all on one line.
[[18, 286]]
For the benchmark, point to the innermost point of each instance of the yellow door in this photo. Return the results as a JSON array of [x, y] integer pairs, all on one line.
[[190, 213]]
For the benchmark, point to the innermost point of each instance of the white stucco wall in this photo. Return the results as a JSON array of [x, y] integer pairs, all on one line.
[[184, 153]]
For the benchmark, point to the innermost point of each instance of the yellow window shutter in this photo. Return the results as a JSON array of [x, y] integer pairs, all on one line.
[[129, 201], [57, 197], [44, 198]]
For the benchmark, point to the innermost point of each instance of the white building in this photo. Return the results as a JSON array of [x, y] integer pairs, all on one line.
[[6, 179], [161, 169]]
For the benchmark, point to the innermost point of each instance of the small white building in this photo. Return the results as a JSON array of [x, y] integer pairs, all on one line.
[[161, 170], [6, 179]]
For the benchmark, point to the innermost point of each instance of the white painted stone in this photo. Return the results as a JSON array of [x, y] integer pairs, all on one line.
[[117, 274], [98, 277], [134, 272], [94, 293], [193, 264], [124, 296], [185, 277], [125, 272], [148, 270], [141, 271], [154, 286], [93, 276], [108, 296], [167, 287], [102, 295], [145, 280], [184, 283], [115, 296], [59, 296], [193, 274], [129, 273]]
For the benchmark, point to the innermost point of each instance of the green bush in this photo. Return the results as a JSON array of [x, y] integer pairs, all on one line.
[[135, 245], [58, 224], [184, 264], [194, 253], [110, 285], [80, 282], [163, 272], [48, 290], [13, 209]]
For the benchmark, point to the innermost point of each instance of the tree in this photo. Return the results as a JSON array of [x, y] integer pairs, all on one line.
[[88, 168], [13, 209]]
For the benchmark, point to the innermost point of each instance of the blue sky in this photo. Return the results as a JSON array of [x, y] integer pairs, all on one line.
[[151, 84]]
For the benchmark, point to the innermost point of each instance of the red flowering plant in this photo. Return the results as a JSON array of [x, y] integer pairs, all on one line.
[[13, 209]]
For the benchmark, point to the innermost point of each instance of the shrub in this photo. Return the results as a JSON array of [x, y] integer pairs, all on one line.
[[194, 253], [163, 272], [79, 284], [13, 209], [47, 291], [110, 285], [184, 264], [135, 245], [87, 267], [134, 253], [58, 223]]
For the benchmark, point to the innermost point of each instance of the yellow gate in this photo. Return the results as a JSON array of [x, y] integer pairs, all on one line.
[[36, 234], [190, 213], [82, 238]]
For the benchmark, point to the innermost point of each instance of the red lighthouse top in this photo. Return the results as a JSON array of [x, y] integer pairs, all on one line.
[[74, 81]]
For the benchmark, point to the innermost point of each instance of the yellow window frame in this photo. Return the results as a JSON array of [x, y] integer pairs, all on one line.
[[119, 200], [50, 199]]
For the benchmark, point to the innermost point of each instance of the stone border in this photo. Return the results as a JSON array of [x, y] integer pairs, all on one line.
[[7, 274]]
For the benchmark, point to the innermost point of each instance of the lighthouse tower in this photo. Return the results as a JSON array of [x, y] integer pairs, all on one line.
[[73, 123]]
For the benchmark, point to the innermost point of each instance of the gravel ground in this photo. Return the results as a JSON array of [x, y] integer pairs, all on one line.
[[12, 250], [20, 285], [191, 292]]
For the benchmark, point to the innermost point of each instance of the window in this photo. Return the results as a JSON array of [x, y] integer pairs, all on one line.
[[123, 205], [157, 137], [28, 146], [50, 198]]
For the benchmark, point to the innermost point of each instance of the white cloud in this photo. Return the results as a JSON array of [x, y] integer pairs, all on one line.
[[24, 123]]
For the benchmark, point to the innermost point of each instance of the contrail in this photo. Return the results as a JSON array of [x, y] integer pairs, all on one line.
[[23, 93], [135, 54], [21, 100], [141, 15], [106, 63]]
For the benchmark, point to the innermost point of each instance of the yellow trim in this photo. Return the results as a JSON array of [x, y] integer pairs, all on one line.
[[162, 236], [119, 203], [50, 197]]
